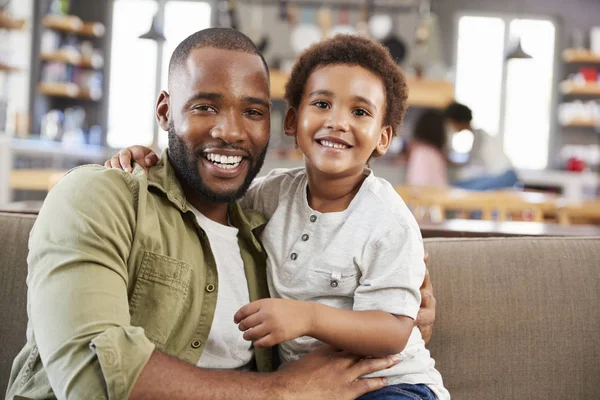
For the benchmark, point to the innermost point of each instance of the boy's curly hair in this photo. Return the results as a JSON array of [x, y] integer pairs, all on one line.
[[353, 50]]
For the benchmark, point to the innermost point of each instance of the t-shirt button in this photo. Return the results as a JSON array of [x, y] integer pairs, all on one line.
[[313, 218], [196, 344], [305, 237], [293, 256], [333, 284], [210, 288]]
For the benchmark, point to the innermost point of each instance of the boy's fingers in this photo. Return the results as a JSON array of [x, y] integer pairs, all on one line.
[[250, 322], [267, 341], [246, 311], [256, 333]]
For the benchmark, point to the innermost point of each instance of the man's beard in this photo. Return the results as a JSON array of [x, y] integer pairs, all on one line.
[[185, 161]]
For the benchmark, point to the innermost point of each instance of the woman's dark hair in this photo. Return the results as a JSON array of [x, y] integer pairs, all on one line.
[[430, 128]]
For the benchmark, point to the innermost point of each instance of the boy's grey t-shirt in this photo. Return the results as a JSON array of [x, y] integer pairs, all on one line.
[[367, 257]]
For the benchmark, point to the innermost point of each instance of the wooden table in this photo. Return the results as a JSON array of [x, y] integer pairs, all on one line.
[[479, 228]]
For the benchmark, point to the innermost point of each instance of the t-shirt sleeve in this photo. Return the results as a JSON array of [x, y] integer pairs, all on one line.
[[392, 272], [263, 194]]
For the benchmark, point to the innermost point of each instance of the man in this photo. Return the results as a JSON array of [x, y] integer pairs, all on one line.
[[132, 277], [487, 154]]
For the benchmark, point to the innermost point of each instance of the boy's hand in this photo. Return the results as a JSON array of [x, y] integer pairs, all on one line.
[[268, 322], [143, 156]]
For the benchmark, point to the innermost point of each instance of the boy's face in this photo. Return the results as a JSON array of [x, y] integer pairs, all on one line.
[[338, 124]]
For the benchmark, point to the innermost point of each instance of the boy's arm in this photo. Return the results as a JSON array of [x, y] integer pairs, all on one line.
[[385, 304]]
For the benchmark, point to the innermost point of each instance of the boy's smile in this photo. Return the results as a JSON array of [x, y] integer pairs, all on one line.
[[338, 124]]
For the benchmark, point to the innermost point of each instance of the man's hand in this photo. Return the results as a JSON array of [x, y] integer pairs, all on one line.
[[143, 156], [426, 315], [331, 374], [268, 322]]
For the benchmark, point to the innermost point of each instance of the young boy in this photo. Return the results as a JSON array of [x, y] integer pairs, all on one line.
[[345, 255]]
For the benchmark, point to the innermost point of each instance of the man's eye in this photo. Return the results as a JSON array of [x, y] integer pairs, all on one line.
[[204, 108]]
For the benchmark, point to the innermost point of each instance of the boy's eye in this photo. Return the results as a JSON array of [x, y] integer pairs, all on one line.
[[360, 112], [321, 104]]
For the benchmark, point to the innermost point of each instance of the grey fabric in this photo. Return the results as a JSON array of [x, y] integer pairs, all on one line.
[[517, 318], [14, 235]]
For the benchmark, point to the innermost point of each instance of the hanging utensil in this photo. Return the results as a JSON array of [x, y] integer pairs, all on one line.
[[343, 26], [256, 28], [305, 33]]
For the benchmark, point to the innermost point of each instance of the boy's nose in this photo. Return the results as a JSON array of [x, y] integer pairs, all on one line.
[[337, 122]]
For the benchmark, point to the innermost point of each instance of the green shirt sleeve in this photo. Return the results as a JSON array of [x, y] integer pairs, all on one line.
[[78, 280]]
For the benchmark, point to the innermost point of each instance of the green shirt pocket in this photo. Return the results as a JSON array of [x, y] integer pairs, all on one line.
[[159, 295]]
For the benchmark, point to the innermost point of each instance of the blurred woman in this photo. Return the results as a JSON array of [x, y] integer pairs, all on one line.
[[427, 164]]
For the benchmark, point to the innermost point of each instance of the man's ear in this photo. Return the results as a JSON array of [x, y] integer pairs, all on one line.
[[385, 139], [163, 110], [290, 122]]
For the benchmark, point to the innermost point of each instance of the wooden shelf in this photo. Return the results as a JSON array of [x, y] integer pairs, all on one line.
[[580, 56], [588, 89], [74, 25], [8, 68], [69, 90], [429, 94], [422, 92], [582, 123], [74, 58], [34, 179], [6, 22]]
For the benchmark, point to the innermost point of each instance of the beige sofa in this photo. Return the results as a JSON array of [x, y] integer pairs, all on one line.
[[516, 318]]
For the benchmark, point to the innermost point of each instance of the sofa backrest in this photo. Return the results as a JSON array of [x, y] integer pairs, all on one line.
[[14, 235], [517, 317]]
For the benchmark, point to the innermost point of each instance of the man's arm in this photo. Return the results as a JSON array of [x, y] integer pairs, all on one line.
[[324, 374]]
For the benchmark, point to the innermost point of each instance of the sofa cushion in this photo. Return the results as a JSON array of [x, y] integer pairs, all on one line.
[[518, 317], [14, 235]]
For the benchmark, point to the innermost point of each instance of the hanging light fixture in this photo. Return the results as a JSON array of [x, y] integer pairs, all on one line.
[[156, 31], [517, 52]]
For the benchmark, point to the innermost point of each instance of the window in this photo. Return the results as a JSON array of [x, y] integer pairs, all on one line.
[[135, 64], [509, 98]]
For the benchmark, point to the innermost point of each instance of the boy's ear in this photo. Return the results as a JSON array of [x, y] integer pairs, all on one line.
[[290, 122], [162, 110], [385, 139]]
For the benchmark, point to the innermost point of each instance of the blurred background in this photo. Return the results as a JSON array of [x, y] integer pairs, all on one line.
[[79, 79]]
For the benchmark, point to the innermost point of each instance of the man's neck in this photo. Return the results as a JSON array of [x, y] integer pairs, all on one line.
[[214, 211], [332, 194]]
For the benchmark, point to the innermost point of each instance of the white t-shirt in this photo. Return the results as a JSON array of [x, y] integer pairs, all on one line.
[[367, 257], [226, 347], [488, 151]]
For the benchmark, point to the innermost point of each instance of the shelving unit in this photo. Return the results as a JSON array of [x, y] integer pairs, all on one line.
[[67, 90], [580, 56], [582, 123], [73, 25], [74, 58], [7, 22], [70, 54], [587, 89], [8, 68]]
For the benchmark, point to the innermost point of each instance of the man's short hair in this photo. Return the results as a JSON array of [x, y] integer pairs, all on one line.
[[218, 38], [458, 112], [353, 50]]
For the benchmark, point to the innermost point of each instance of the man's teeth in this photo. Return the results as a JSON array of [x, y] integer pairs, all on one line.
[[327, 143], [226, 162]]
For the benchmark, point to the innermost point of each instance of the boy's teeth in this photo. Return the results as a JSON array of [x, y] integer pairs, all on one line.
[[327, 143]]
